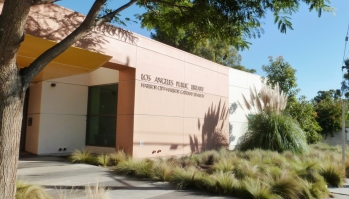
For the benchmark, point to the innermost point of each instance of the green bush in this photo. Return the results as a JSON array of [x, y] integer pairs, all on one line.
[[268, 130], [269, 127]]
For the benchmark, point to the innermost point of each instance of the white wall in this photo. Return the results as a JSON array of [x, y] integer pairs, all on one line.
[[239, 83], [59, 112]]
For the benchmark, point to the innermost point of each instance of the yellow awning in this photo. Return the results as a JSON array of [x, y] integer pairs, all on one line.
[[73, 61]]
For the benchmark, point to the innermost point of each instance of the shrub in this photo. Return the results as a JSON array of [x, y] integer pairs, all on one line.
[[333, 174], [244, 169], [103, 160], [276, 132], [118, 157], [286, 186], [319, 189], [83, 156], [255, 189], [223, 165], [310, 172], [186, 177], [28, 191], [137, 168], [162, 171], [269, 128], [225, 183]]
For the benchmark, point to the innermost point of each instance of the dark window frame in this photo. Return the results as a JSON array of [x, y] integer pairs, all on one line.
[[89, 116]]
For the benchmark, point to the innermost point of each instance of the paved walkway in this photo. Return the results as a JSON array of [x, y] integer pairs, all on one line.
[[60, 176]]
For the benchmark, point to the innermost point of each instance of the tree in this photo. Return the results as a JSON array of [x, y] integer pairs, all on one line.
[[281, 72], [332, 94], [229, 20], [328, 107], [217, 51], [303, 112]]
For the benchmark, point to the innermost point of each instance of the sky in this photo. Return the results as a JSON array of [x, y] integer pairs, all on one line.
[[315, 48]]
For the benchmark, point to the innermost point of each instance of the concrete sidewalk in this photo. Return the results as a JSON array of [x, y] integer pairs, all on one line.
[[58, 175]]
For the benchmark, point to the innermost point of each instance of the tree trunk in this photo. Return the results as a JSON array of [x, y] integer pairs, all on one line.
[[11, 107]]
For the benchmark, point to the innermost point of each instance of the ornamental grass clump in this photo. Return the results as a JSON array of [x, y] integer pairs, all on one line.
[[269, 127], [286, 186], [137, 168], [225, 183], [117, 157], [28, 191], [162, 171], [82, 156], [103, 160], [187, 177], [333, 174]]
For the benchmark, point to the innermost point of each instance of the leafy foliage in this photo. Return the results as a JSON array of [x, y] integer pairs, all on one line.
[[304, 113], [281, 72], [301, 110], [217, 51], [223, 20], [328, 108]]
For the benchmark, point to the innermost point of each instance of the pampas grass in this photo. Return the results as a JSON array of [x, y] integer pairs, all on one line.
[[269, 128]]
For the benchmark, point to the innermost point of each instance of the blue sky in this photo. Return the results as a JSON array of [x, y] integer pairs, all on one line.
[[314, 48]]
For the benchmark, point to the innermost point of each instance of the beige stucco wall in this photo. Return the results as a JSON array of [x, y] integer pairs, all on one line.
[[172, 123]]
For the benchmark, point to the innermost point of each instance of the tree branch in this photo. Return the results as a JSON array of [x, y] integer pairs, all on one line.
[[38, 2], [109, 17], [35, 67]]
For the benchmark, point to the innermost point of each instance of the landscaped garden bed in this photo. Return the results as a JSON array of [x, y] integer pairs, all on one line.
[[250, 174]]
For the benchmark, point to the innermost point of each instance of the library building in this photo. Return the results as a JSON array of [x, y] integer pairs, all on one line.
[[115, 90]]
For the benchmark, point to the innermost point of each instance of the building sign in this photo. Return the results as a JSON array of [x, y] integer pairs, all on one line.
[[172, 86]]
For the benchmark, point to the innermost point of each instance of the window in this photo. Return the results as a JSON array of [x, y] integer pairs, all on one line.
[[101, 115]]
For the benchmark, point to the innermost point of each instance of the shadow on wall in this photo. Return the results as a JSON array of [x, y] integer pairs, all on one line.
[[54, 23], [232, 110], [213, 131]]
